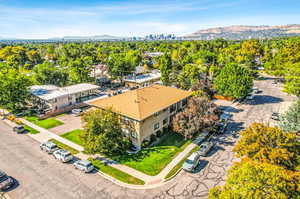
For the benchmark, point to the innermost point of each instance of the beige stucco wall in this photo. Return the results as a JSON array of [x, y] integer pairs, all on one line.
[[146, 127]]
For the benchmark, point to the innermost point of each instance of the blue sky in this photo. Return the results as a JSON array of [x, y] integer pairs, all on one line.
[[57, 18]]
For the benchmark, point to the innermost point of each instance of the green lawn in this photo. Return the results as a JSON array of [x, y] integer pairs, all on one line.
[[116, 173], [179, 164], [73, 136], [31, 130], [46, 124], [63, 146], [152, 160]]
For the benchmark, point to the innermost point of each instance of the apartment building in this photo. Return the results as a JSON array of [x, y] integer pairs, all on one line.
[[50, 98], [150, 109]]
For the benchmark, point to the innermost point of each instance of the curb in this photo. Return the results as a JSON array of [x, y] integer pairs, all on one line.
[[173, 176], [131, 186]]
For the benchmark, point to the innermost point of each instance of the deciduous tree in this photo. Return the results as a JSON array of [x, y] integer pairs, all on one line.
[[103, 133], [270, 145], [250, 179], [234, 81], [199, 114]]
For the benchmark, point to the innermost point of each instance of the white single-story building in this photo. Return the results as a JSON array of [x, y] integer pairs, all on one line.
[[50, 98], [143, 79]]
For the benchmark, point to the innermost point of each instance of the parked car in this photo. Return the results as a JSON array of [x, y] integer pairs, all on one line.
[[63, 155], [275, 116], [205, 147], [19, 129], [6, 182], [222, 127], [84, 165], [201, 137], [250, 97], [77, 112], [49, 147], [191, 163]]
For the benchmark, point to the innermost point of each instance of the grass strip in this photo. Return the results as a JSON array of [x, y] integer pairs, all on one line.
[[31, 130], [178, 166], [64, 146], [46, 123], [73, 136], [116, 173]]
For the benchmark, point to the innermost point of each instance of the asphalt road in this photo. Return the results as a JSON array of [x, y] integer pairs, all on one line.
[[40, 176]]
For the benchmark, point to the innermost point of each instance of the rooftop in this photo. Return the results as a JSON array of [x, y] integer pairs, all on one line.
[[143, 78], [48, 92], [141, 103]]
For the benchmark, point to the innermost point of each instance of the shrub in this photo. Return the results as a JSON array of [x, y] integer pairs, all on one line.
[[159, 133], [152, 138], [145, 143]]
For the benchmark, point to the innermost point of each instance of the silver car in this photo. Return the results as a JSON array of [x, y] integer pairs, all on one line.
[[49, 147], [191, 163], [201, 137], [205, 147], [63, 155], [19, 129], [6, 182], [84, 165]]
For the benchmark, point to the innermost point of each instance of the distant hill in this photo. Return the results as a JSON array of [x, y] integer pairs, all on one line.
[[96, 37], [246, 32]]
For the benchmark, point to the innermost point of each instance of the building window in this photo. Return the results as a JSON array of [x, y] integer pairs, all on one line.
[[165, 121], [184, 102], [172, 108], [134, 135], [156, 126], [156, 114]]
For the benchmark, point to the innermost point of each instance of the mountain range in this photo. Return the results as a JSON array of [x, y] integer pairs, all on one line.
[[245, 32], [237, 32]]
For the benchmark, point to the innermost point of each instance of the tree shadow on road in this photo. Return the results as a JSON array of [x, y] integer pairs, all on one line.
[[214, 150], [230, 109], [265, 99]]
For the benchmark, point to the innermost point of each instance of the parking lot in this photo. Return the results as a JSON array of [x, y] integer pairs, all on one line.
[[71, 122]]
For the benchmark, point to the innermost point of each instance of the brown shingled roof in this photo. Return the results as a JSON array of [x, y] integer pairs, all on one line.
[[144, 102]]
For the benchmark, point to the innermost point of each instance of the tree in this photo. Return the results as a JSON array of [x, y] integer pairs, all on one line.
[[13, 88], [234, 81], [290, 121], [203, 88], [103, 133], [199, 114], [189, 75], [269, 145], [250, 179], [292, 79], [49, 73], [165, 67]]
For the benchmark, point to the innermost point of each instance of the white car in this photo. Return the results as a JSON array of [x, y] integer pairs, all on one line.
[[84, 165], [77, 112], [63, 155], [49, 147]]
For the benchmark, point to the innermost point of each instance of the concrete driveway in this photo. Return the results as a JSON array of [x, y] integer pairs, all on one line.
[[71, 122]]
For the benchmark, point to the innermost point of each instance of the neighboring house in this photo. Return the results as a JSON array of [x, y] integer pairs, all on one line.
[[50, 98], [143, 79], [149, 109], [99, 70]]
